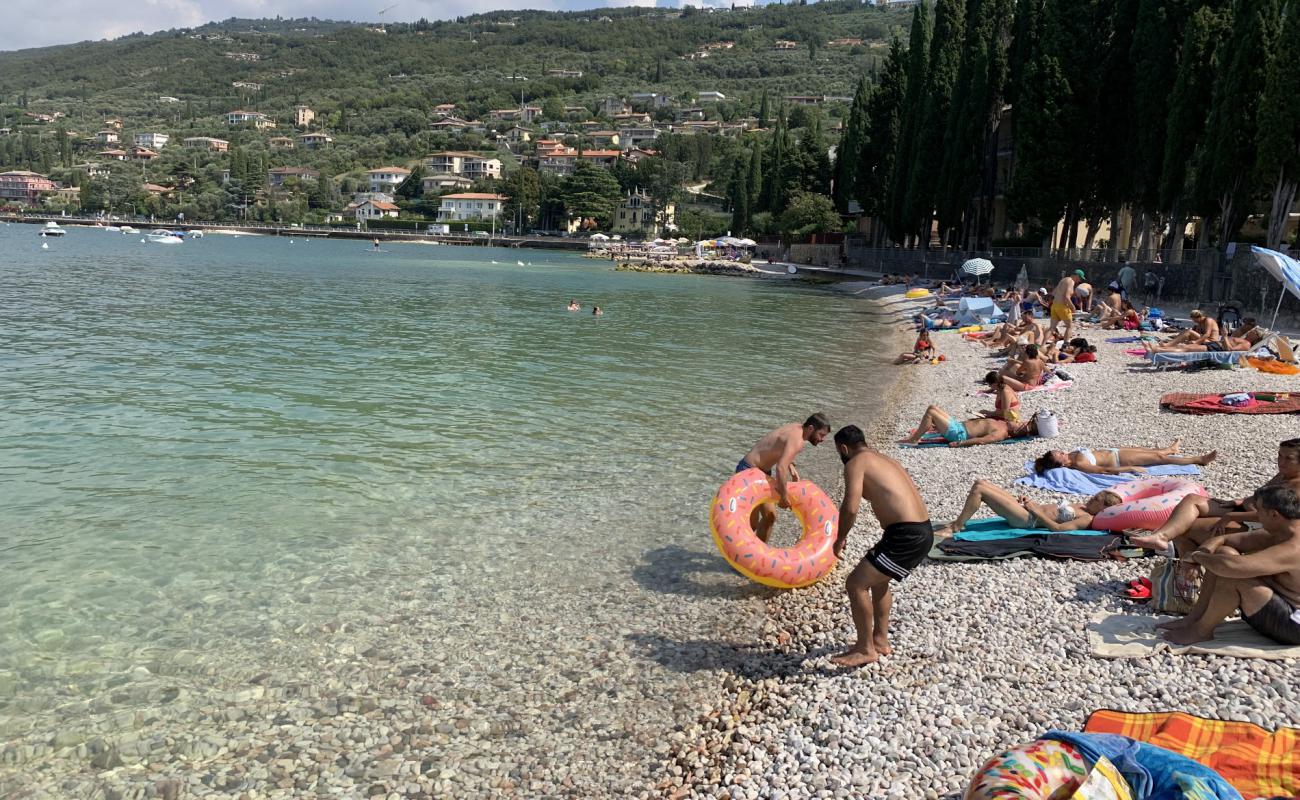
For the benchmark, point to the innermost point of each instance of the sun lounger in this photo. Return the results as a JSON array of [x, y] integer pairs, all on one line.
[[1226, 358]]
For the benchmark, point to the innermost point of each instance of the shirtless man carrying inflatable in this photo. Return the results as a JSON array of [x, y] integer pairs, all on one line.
[[907, 540], [774, 454]]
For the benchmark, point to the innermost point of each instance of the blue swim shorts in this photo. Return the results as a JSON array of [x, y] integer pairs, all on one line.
[[956, 431]]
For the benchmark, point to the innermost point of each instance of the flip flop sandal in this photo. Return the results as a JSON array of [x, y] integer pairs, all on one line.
[[1138, 593], [1139, 582]]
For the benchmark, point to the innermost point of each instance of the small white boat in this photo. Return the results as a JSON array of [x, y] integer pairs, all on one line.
[[165, 237], [127, 230], [52, 229], [112, 229], [196, 234]]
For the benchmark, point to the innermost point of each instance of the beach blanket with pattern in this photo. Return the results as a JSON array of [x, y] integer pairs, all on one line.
[[1191, 403], [1073, 481], [1257, 763]]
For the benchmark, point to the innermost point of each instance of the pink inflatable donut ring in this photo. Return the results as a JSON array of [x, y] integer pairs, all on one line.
[[1148, 502], [807, 562]]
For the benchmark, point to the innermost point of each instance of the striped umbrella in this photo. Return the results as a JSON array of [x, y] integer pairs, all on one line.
[[977, 267]]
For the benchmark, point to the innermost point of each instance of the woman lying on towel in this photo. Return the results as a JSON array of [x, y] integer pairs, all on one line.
[[1117, 460], [1228, 344], [1021, 512]]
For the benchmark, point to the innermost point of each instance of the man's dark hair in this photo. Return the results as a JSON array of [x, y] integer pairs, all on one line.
[[991, 377], [1289, 444], [1282, 499], [1043, 463], [850, 436], [1031, 350], [818, 422], [1078, 341]]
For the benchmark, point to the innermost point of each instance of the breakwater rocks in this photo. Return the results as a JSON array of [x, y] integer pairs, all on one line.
[[691, 267]]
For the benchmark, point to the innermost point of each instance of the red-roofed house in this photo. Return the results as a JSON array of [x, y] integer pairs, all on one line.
[[373, 209]]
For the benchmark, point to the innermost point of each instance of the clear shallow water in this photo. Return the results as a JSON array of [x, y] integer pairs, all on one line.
[[205, 447]]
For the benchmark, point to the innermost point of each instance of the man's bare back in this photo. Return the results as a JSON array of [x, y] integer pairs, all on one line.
[[767, 452], [886, 486]]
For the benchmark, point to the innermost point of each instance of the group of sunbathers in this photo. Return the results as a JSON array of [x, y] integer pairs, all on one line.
[[1205, 336]]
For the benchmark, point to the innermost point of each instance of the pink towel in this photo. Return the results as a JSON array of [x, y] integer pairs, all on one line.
[[1137, 351]]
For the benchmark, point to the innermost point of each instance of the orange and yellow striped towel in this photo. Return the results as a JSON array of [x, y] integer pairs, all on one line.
[[1257, 763]]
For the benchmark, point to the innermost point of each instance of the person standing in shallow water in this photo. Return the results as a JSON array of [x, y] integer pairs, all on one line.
[[907, 539], [774, 455]]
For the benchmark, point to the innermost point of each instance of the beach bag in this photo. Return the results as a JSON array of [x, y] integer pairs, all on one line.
[[1048, 425], [1175, 585]]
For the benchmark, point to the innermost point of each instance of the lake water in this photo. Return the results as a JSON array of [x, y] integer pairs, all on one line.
[[228, 457]]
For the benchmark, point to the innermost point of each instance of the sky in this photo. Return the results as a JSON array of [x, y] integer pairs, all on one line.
[[37, 23]]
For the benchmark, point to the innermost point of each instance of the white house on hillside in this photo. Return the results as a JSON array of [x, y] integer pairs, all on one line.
[[154, 141], [387, 179], [470, 206]]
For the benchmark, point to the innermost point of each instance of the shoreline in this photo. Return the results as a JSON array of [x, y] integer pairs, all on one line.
[[986, 654]]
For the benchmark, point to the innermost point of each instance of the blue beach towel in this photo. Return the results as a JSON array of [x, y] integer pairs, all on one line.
[[1073, 481], [1153, 773], [996, 528], [1124, 339]]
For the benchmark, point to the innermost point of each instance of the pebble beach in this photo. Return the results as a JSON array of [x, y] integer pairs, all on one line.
[[987, 655]]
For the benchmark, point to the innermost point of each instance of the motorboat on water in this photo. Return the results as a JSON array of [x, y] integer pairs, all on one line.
[[196, 234], [127, 230], [161, 236], [112, 229], [52, 229]]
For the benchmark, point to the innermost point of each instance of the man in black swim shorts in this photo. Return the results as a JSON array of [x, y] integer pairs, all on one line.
[[1257, 572], [906, 541]]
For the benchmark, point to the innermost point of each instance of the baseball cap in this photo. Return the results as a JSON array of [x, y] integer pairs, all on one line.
[[1080, 273]]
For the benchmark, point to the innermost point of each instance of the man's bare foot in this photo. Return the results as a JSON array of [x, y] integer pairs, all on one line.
[[881, 645], [944, 531], [1176, 447], [1147, 540], [855, 658], [1187, 635], [1207, 458]]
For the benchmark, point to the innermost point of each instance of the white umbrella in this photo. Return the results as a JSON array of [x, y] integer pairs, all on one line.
[[977, 267], [599, 236], [1282, 267], [616, 237], [747, 242], [683, 240]]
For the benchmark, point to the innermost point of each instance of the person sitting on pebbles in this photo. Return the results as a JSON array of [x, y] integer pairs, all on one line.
[[1200, 518], [1118, 460], [1021, 512], [923, 350], [1257, 572], [906, 541], [1027, 371], [971, 432]]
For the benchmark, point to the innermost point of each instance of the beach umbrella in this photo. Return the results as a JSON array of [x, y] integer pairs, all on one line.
[[747, 242], [1285, 268], [1022, 279], [602, 237], [977, 267], [683, 240]]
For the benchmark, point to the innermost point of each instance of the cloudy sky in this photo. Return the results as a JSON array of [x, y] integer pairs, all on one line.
[[36, 23]]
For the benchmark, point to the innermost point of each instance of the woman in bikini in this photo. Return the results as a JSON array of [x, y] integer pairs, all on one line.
[[923, 350], [1118, 460], [1021, 512]]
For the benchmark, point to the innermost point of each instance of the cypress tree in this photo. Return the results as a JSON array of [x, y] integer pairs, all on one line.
[[739, 196], [1230, 148], [1156, 37], [918, 61], [755, 182], [815, 163], [850, 147], [763, 110], [1185, 125], [945, 58], [880, 144], [1279, 126]]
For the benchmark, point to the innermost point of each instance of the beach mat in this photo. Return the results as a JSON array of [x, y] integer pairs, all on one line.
[[1196, 403], [1257, 763], [1135, 636], [1072, 546], [1072, 481], [993, 529]]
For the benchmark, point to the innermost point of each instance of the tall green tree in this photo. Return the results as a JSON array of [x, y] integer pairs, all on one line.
[[763, 110], [1157, 38], [1279, 126], [738, 196], [755, 181], [591, 193], [809, 213], [412, 187], [849, 150], [523, 191], [1185, 124], [896, 218], [879, 147], [1230, 146], [941, 75]]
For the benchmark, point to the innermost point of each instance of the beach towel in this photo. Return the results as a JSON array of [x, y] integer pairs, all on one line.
[[1136, 351], [1228, 357], [995, 528], [1074, 545], [1273, 366], [1124, 340], [1128, 636], [1050, 387], [1257, 763], [1152, 773], [1072, 481], [937, 440], [1195, 403]]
